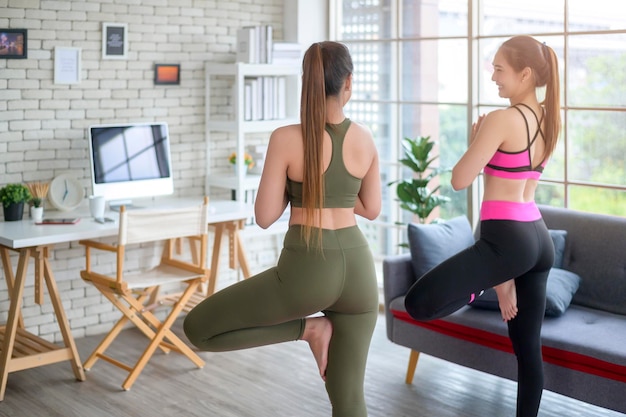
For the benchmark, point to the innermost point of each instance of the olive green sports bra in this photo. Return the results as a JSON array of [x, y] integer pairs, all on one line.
[[340, 187]]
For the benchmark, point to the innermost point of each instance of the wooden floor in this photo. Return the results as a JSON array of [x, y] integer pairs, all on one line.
[[273, 381]]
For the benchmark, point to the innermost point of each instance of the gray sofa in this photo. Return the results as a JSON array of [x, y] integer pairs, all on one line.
[[584, 349]]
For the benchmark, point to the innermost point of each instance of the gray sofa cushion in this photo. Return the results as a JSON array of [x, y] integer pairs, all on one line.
[[562, 285], [431, 244], [558, 238]]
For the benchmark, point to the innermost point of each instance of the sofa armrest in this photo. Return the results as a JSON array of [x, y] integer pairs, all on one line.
[[397, 276], [397, 279]]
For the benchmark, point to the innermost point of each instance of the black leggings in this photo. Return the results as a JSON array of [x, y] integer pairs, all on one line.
[[506, 249]]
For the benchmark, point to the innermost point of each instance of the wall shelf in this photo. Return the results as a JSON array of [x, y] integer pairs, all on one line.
[[238, 126]]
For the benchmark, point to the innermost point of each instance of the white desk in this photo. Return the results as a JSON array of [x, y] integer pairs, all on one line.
[[23, 350]]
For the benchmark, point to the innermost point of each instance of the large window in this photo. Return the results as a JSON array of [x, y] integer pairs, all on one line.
[[423, 68]]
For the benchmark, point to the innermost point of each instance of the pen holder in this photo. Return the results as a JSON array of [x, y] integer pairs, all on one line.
[[97, 206]]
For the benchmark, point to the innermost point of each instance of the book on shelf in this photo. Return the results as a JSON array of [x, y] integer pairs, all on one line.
[[265, 98], [281, 95], [268, 43], [247, 101], [268, 96], [255, 44], [252, 94], [246, 49]]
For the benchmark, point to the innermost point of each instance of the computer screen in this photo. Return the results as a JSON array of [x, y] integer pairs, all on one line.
[[130, 161]]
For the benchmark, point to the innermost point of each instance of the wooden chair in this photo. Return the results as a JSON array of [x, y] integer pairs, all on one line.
[[132, 292]]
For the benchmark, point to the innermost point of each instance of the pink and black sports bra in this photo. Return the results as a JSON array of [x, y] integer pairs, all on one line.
[[517, 165]]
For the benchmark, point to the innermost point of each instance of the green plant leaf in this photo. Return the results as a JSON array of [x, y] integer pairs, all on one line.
[[414, 194], [14, 193]]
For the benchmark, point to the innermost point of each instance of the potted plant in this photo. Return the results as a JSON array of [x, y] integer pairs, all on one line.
[[36, 210], [414, 193], [248, 161], [38, 192], [13, 197]]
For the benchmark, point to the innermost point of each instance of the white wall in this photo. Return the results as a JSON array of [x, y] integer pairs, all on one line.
[[43, 125]]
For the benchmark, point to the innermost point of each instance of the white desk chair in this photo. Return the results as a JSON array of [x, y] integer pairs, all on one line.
[[130, 292]]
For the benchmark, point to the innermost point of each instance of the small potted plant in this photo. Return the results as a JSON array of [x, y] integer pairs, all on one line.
[[38, 191], [13, 197], [36, 210], [248, 161]]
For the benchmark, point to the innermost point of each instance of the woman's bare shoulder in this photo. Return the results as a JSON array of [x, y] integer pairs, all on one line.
[[360, 127], [287, 130], [500, 114], [286, 134], [502, 119], [362, 132], [504, 115]]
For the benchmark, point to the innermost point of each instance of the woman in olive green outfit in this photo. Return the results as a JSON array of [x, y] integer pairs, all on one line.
[[326, 265]]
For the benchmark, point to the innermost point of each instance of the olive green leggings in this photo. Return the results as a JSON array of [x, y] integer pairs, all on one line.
[[270, 307]]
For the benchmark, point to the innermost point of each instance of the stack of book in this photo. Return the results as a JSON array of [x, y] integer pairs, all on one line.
[[255, 44], [287, 53], [265, 98]]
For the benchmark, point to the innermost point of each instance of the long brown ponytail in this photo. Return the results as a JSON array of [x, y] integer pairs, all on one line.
[[552, 102], [325, 67], [312, 119]]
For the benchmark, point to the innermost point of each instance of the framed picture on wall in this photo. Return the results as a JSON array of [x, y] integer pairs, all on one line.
[[114, 41], [66, 65], [167, 74], [13, 43]]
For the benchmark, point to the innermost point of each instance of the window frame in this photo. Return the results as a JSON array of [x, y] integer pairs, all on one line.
[[474, 104]]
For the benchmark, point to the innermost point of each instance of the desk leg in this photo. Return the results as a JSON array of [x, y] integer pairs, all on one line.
[[14, 318], [237, 255], [10, 278], [215, 257], [64, 325], [40, 254], [233, 247], [241, 253]]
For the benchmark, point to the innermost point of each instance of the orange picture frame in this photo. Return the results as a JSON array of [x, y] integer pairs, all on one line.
[[166, 74]]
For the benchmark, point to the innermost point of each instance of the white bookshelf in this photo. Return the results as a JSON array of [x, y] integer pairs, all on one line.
[[235, 123]]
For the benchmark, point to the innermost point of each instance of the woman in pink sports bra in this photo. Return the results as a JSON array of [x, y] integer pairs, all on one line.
[[515, 252]]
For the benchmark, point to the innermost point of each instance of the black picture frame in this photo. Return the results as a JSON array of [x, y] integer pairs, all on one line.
[[13, 43], [114, 40], [166, 74]]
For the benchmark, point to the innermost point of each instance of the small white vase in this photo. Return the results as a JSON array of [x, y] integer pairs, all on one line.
[[36, 213], [245, 170]]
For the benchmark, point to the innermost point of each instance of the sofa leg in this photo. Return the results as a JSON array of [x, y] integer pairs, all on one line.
[[410, 371]]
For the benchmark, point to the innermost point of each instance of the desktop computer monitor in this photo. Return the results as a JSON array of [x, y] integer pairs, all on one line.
[[130, 161]]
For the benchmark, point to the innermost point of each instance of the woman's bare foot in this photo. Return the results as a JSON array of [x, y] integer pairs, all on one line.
[[507, 299], [317, 332]]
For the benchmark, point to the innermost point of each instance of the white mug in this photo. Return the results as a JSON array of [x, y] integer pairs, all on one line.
[[96, 206]]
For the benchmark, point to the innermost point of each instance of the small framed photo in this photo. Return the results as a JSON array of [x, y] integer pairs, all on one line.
[[13, 43], [66, 65], [166, 74], [114, 41]]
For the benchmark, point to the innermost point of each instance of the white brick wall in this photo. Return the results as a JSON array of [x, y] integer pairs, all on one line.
[[43, 125]]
